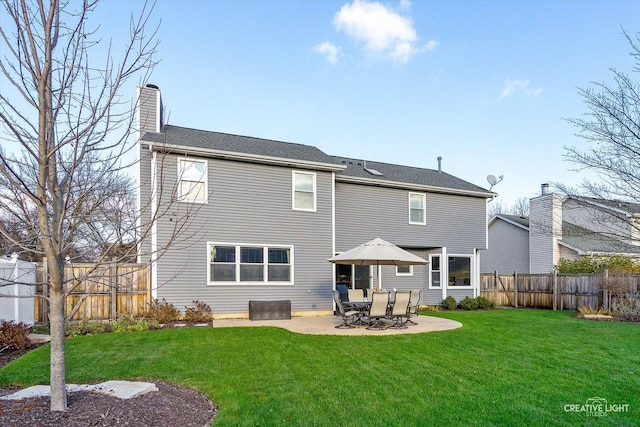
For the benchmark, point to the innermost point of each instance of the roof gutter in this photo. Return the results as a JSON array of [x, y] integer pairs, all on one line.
[[243, 157], [415, 187]]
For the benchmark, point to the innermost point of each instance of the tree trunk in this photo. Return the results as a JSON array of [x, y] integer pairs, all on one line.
[[57, 365]]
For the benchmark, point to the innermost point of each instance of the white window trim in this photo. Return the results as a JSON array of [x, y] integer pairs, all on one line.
[[237, 282], [410, 273], [471, 271], [182, 198], [424, 208], [293, 191], [431, 271]]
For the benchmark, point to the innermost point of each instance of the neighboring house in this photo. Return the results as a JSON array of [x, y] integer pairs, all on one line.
[[560, 227], [508, 245], [258, 220]]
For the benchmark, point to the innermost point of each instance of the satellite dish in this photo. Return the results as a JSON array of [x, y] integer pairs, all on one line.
[[493, 180]]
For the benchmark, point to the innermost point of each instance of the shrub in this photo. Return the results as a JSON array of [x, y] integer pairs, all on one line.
[[627, 308], [161, 312], [469, 303], [201, 313], [434, 308], [13, 335], [598, 264], [449, 303], [85, 327], [485, 303], [127, 323]]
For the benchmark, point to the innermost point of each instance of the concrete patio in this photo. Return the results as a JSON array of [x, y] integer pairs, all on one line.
[[326, 325]]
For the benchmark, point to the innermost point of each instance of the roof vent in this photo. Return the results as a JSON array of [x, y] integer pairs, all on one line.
[[372, 171]]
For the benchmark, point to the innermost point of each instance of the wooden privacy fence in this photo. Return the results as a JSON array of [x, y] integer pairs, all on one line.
[[558, 291], [99, 292]]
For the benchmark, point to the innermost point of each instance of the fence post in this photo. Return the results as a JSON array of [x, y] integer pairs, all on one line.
[[495, 287], [605, 293], [555, 291], [113, 282], [515, 289]]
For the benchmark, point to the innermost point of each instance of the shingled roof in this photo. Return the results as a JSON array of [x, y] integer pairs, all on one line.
[[227, 143], [258, 149], [587, 241], [385, 173]]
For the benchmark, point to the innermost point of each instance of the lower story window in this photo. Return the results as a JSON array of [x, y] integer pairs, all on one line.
[[249, 264], [459, 271], [434, 268]]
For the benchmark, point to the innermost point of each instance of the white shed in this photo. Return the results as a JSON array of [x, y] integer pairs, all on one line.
[[17, 278]]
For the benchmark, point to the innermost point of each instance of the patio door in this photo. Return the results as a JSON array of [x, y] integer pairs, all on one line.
[[362, 277]]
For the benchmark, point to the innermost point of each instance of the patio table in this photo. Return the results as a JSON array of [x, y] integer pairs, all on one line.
[[361, 306]]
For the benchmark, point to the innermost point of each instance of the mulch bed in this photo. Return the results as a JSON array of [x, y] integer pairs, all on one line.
[[170, 406]]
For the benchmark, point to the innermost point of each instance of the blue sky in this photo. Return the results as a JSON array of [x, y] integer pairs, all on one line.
[[483, 84]]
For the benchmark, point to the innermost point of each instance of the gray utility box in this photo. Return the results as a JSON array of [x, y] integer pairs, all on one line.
[[269, 310]]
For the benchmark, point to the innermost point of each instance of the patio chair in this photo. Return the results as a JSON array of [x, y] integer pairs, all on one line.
[[378, 311], [400, 309], [414, 302], [370, 293], [346, 315], [356, 295]]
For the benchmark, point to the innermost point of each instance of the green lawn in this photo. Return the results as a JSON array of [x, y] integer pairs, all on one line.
[[503, 367]]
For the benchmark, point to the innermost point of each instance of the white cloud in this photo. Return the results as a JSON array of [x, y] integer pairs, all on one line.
[[383, 31], [522, 86], [405, 5], [431, 45], [332, 52]]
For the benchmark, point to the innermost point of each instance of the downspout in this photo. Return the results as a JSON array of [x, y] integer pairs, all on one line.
[[333, 234]]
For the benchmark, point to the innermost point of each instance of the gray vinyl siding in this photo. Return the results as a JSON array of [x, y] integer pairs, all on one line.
[[149, 110], [144, 200], [249, 204], [567, 253], [545, 228], [365, 212], [508, 249], [455, 222]]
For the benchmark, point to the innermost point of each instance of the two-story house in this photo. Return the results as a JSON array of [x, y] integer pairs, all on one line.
[[236, 218], [558, 227]]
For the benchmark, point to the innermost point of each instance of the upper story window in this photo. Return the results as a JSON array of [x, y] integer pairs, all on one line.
[[417, 214], [304, 191], [192, 180], [250, 264], [434, 272]]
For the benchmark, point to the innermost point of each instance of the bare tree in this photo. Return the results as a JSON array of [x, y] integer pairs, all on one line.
[[520, 207], [611, 129], [68, 129]]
